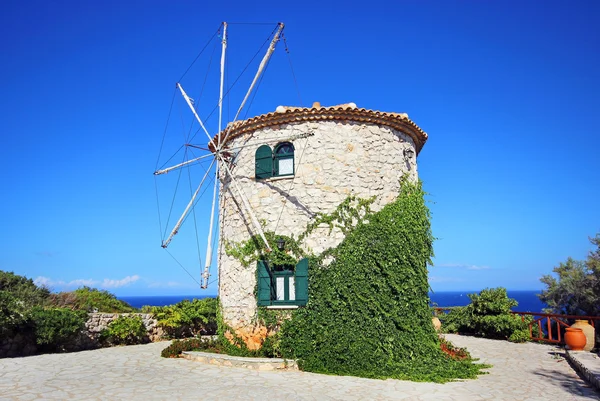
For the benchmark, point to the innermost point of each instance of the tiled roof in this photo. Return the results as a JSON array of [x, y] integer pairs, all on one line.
[[344, 112]]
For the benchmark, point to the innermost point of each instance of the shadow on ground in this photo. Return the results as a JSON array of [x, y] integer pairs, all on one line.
[[572, 383]]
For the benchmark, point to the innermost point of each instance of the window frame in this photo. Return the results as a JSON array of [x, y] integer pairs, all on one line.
[[277, 157], [267, 284]]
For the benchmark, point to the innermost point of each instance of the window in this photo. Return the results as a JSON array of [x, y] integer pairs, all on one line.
[[282, 285], [283, 159], [277, 163]]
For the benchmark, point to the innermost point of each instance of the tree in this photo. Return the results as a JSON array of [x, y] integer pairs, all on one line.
[[576, 289]]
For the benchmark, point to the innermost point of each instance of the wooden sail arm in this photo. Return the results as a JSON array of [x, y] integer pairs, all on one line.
[[188, 100], [187, 209], [185, 163]]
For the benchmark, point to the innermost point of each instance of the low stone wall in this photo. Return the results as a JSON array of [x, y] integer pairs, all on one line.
[[100, 321], [241, 362], [23, 344]]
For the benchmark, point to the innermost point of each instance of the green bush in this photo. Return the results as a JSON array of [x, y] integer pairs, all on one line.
[[190, 344], [90, 300], [575, 287], [368, 311], [56, 328], [488, 315], [125, 330], [18, 295], [187, 318], [23, 289]]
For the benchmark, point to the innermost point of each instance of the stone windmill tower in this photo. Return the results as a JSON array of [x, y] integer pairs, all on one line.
[[291, 165]]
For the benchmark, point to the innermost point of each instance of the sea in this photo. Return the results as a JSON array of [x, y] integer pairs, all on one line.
[[528, 300]]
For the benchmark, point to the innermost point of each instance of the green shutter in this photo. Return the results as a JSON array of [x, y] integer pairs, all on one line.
[[263, 159], [301, 280], [264, 284]]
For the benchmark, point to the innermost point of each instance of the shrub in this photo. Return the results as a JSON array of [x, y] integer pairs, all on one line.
[[125, 330], [18, 295], [368, 313], [576, 288], [11, 314], [56, 328], [23, 289], [488, 315], [190, 344], [90, 300], [187, 318]]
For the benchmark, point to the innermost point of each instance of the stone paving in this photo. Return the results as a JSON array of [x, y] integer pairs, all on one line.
[[520, 372]]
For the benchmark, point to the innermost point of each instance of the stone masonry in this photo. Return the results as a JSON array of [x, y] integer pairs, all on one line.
[[342, 156]]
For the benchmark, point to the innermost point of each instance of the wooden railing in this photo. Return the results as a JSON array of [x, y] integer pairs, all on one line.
[[550, 326]]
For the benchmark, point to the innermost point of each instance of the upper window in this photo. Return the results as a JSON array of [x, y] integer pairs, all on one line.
[[274, 163], [283, 160]]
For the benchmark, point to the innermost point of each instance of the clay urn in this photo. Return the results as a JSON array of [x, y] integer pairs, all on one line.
[[575, 339], [588, 331]]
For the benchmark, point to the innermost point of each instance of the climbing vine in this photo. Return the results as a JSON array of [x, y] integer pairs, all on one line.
[[368, 312], [348, 214]]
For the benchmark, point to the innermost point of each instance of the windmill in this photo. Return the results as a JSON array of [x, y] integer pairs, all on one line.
[[214, 158]]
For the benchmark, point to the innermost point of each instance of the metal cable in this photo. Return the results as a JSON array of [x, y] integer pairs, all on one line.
[[201, 51], [184, 269]]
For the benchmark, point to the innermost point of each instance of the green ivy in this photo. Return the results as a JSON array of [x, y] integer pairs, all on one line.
[[368, 312], [346, 216], [248, 252]]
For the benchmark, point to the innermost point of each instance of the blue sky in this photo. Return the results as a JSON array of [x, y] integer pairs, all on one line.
[[508, 92]]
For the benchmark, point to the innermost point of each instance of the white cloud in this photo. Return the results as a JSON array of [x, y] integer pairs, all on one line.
[[462, 266], [119, 283], [81, 282], [106, 283], [43, 281]]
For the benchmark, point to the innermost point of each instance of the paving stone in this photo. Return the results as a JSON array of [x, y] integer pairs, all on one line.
[[520, 372]]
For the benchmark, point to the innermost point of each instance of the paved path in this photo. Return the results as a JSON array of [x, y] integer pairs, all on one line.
[[520, 372]]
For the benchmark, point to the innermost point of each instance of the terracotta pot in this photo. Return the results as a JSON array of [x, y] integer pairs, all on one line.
[[575, 339], [588, 331]]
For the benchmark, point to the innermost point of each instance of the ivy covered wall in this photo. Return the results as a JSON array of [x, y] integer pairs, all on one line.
[[368, 312]]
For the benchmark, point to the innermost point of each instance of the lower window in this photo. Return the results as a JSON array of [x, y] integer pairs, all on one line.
[[282, 285]]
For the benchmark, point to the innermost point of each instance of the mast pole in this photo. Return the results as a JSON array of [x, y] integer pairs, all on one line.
[[208, 257], [223, 49], [261, 67]]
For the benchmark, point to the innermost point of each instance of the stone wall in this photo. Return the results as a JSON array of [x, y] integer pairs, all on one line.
[[339, 159], [23, 343], [99, 321]]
